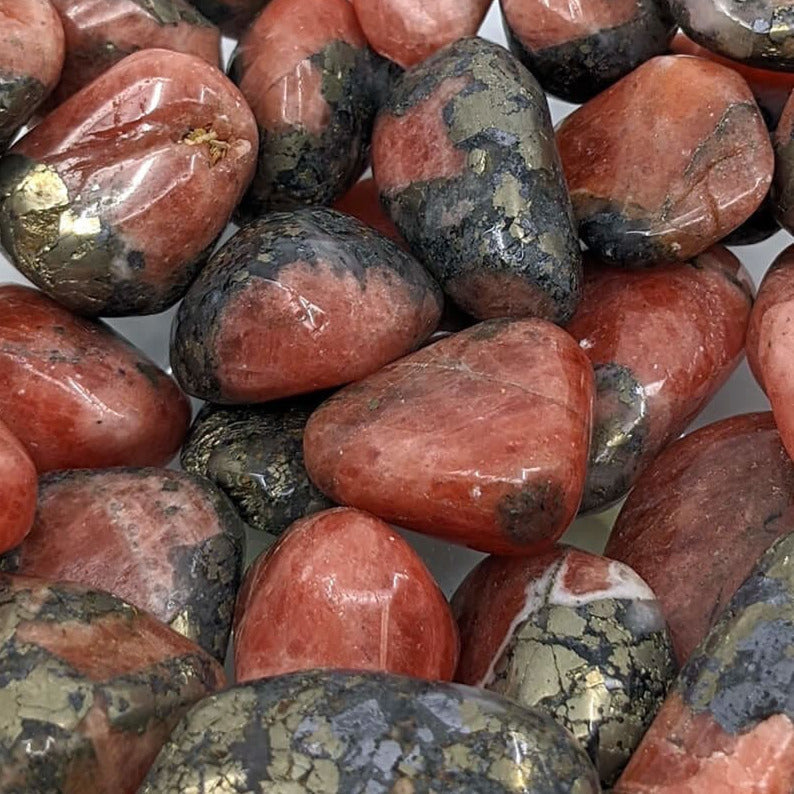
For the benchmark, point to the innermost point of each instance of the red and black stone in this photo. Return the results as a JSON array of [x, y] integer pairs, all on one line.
[[760, 226], [231, 16], [783, 185], [465, 160], [576, 50]]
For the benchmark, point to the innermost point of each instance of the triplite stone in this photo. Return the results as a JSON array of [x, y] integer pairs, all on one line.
[[342, 590], [110, 204], [760, 226], [363, 202], [575, 635], [367, 733], [662, 342], [698, 124], [409, 31], [254, 454], [306, 71], [31, 58], [18, 486], [90, 690], [79, 396], [576, 50], [783, 186], [480, 438], [296, 302], [700, 517], [465, 160], [231, 16], [728, 724], [164, 541]]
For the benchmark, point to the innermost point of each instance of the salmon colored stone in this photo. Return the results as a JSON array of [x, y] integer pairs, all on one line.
[[18, 485], [480, 438], [408, 31], [362, 201], [700, 517], [783, 186], [666, 162], [343, 590], [78, 396]]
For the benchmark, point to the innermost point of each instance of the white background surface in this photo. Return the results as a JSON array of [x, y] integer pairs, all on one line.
[[449, 563]]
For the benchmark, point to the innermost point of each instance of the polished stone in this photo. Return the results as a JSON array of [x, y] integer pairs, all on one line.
[[363, 202], [783, 185], [232, 16], [18, 487]]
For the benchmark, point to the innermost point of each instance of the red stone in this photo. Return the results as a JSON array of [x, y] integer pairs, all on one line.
[[362, 201], [480, 438], [700, 517], [408, 31], [18, 487], [79, 396], [343, 590]]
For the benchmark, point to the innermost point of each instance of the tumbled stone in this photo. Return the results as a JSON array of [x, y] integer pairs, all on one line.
[[110, 204], [90, 690], [99, 33], [18, 485], [701, 515], [465, 160], [409, 31], [727, 724], [231, 16], [576, 50], [164, 541], [783, 186], [342, 590], [575, 635], [362, 202], [759, 32], [760, 226], [306, 71], [296, 302], [329, 732], [698, 124], [254, 454], [662, 342], [79, 396], [31, 58], [480, 438]]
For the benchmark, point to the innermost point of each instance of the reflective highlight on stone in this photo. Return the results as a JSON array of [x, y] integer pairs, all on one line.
[[464, 156], [572, 634], [18, 486], [333, 732]]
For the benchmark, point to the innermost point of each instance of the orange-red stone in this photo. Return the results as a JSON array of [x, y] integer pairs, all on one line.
[[18, 488], [362, 201]]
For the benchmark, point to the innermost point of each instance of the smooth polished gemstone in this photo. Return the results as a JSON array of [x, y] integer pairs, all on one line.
[[110, 204], [700, 517], [367, 732], [18, 486], [164, 541], [728, 724], [576, 50], [297, 302], [464, 156], [662, 342], [783, 186], [79, 396], [231, 16], [343, 590], [575, 635], [90, 688], [480, 438], [666, 162], [363, 202]]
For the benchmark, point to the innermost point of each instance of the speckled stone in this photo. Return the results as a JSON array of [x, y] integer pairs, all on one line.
[[254, 454], [18, 487], [783, 185], [728, 723], [90, 688], [576, 50], [164, 541], [575, 635], [231, 16], [362, 202], [367, 734], [465, 160]]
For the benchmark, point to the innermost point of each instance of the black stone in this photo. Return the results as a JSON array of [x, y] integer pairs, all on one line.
[[20, 95]]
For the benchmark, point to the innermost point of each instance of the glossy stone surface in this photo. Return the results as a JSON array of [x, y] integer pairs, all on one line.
[[409, 31], [31, 58], [110, 203], [342, 590], [699, 125], [727, 724], [367, 734], [576, 50], [231, 16], [783, 186], [297, 302], [480, 438], [575, 635], [254, 454], [662, 342], [79, 396], [18, 487], [760, 226], [164, 541], [759, 32], [700, 517], [306, 71], [363, 202], [464, 157], [91, 688]]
